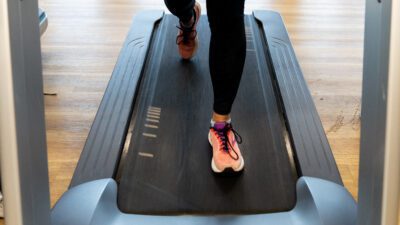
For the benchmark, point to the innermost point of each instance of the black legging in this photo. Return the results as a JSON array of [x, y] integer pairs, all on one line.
[[227, 46]]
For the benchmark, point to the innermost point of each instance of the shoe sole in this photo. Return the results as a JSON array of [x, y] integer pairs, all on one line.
[[227, 170]]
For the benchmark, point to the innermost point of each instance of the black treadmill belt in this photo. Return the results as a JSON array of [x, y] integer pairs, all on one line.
[[167, 168]]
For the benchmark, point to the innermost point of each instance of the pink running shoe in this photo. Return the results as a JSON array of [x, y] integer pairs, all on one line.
[[187, 40], [227, 157]]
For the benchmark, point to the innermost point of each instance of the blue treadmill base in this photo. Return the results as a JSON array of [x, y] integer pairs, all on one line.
[[319, 202]]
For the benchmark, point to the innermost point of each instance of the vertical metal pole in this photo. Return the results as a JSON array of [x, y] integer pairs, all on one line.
[[379, 156], [23, 153], [391, 179]]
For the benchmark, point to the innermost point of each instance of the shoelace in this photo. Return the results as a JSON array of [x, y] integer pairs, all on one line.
[[225, 143], [186, 31]]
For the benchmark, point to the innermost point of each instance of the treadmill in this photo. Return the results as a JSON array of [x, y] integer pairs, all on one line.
[[147, 158]]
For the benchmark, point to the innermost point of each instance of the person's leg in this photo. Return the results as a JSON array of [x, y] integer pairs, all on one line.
[[226, 61], [188, 12], [183, 9], [227, 52]]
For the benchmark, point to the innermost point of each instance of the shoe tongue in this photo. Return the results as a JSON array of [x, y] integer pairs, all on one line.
[[219, 125]]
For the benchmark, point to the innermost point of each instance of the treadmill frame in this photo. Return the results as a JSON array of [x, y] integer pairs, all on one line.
[[95, 203], [379, 171], [34, 197], [24, 172], [101, 155], [316, 167]]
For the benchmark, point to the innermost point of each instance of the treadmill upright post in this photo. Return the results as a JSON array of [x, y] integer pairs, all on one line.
[[24, 176], [379, 180]]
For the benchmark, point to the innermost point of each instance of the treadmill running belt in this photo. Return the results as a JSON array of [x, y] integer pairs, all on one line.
[[167, 167]]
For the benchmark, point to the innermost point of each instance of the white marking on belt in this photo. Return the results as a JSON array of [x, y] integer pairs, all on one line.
[[152, 108], [145, 154], [153, 116], [152, 120], [151, 126], [153, 113], [149, 135]]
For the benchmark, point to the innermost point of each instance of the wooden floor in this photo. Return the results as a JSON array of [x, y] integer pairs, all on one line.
[[83, 40]]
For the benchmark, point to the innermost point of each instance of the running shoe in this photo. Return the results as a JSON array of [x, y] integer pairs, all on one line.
[[227, 157], [187, 39]]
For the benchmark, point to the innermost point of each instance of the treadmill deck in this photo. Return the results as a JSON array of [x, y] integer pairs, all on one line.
[[167, 167], [187, 185]]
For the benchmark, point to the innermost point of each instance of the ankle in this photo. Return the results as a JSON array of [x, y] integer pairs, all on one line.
[[221, 118], [188, 23]]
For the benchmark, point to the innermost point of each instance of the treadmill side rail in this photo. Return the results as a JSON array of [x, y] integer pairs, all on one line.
[[100, 156], [320, 202], [313, 154]]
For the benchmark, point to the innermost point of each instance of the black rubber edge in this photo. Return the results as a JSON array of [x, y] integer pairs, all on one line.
[[100, 156], [312, 152]]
